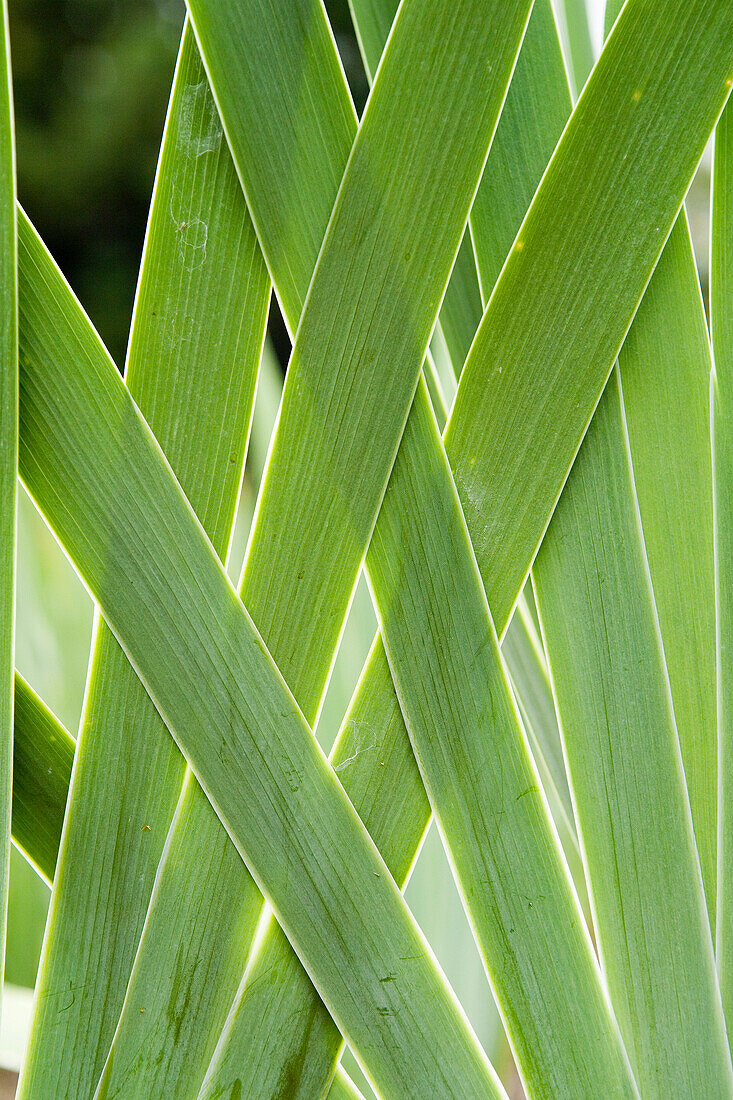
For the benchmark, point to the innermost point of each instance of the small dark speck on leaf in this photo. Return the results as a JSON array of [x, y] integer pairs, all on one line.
[[529, 790]]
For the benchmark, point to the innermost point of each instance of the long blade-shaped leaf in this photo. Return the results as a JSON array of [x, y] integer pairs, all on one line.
[[485, 237], [396, 225], [195, 648], [522, 650], [539, 64], [573, 17], [261, 1025], [189, 960], [483, 786], [43, 755], [240, 1047], [526, 133], [279, 1030], [196, 383], [291, 622], [271, 963], [665, 368], [536, 111], [607, 663], [8, 459], [692, 680], [585, 252], [721, 321], [522, 842], [461, 310]]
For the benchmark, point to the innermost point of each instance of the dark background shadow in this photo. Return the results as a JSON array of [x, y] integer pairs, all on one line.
[[91, 83]]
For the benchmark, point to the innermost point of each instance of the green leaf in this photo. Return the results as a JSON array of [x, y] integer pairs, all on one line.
[[534, 116], [461, 310], [43, 755], [262, 1024], [535, 113], [665, 366], [525, 659], [260, 1036], [482, 783], [610, 683], [160, 1047], [573, 18], [195, 381], [278, 1021], [343, 1088], [255, 1013], [676, 549], [293, 633], [721, 323], [43, 758], [526, 134], [516, 162], [163, 591], [399, 218], [611, 14], [8, 459], [573, 280]]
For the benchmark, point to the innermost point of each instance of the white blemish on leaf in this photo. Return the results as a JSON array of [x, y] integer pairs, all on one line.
[[199, 128]]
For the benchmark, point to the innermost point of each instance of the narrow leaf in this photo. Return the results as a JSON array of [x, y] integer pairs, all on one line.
[[721, 323], [482, 783], [160, 1046], [8, 459], [625, 769], [164, 593], [195, 380], [289, 631], [585, 252], [674, 492], [252, 1015], [665, 367], [461, 310], [399, 218], [573, 16], [536, 111], [43, 755]]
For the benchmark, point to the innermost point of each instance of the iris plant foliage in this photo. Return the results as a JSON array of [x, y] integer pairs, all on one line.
[[507, 406]]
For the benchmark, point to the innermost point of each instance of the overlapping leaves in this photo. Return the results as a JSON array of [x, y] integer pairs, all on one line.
[[553, 326]]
